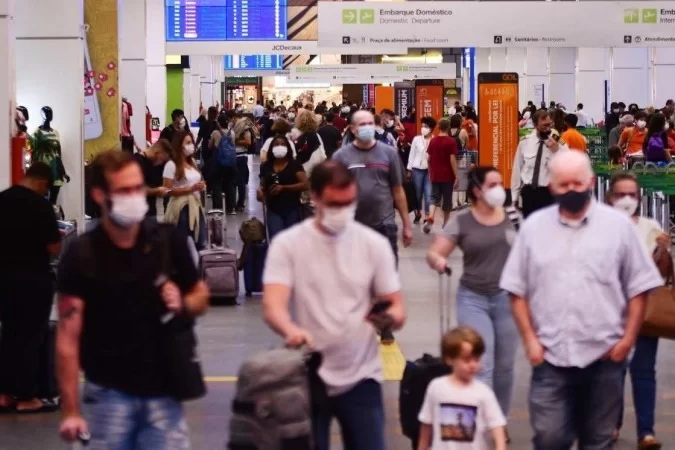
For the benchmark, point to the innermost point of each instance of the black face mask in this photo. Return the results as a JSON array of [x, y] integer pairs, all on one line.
[[544, 135], [573, 201]]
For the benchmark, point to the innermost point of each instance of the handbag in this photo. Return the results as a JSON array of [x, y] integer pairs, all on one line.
[[659, 318], [181, 367]]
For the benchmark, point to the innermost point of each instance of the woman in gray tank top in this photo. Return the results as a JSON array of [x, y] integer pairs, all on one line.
[[484, 232]]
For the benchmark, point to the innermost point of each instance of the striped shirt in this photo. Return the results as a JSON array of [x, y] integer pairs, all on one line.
[[578, 279]]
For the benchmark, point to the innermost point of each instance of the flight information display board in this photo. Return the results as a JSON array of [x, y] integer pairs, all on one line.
[[226, 20], [254, 62]]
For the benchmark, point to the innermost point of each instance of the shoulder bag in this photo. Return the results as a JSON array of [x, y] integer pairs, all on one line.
[[660, 310]]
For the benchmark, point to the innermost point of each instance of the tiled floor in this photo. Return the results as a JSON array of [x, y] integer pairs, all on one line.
[[229, 334]]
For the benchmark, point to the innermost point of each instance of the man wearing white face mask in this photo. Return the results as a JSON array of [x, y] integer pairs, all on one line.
[[354, 264], [115, 284], [377, 168], [485, 234]]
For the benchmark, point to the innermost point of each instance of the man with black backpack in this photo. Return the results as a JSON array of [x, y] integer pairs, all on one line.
[[128, 292], [223, 172]]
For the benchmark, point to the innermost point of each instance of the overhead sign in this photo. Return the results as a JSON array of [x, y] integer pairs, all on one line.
[[498, 117], [372, 73], [497, 24], [256, 73], [277, 48]]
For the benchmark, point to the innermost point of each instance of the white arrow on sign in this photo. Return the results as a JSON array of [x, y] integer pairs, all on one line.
[[350, 16]]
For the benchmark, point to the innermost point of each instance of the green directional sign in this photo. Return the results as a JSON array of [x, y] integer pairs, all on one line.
[[631, 15], [367, 16], [649, 15], [349, 16]]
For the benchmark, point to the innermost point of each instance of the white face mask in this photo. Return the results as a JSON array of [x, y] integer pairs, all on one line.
[[615, 111], [183, 122], [627, 205], [128, 210], [188, 149], [336, 220], [426, 131], [666, 127], [389, 123], [641, 124], [495, 196], [291, 116], [279, 151]]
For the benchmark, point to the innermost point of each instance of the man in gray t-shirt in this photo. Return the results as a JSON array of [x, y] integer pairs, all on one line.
[[379, 175]]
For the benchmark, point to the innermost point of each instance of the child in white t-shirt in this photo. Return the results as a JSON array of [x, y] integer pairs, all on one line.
[[459, 411]]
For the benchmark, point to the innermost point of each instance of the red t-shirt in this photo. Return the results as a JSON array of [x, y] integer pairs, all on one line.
[[440, 149], [339, 123]]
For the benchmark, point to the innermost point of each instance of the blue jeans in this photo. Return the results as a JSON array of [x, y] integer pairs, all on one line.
[[118, 421], [183, 226], [422, 184], [276, 223], [570, 403], [360, 413], [643, 378], [491, 317]]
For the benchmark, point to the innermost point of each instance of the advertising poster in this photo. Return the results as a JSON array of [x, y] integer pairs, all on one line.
[[429, 100], [498, 118], [404, 98], [384, 98], [101, 84]]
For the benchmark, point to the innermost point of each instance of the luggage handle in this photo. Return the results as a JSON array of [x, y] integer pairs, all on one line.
[[446, 302]]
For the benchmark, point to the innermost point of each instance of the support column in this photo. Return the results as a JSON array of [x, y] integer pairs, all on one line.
[[593, 65], [156, 60], [664, 74], [562, 78], [630, 76], [133, 64], [49, 54], [7, 89]]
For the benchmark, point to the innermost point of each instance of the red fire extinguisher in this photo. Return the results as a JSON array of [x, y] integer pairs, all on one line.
[[18, 159]]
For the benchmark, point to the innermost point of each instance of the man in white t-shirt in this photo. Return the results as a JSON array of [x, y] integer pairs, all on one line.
[[333, 267]]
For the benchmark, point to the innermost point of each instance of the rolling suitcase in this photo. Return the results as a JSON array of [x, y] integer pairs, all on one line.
[[218, 264], [419, 373], [254, 261], [254, 264]]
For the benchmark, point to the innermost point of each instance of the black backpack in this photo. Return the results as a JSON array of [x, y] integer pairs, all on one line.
[[455, 136], [416, 378]]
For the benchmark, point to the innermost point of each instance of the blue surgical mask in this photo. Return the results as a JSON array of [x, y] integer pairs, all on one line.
[[365, 133]]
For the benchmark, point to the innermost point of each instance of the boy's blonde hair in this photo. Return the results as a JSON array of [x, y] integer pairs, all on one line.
[[451, 344]]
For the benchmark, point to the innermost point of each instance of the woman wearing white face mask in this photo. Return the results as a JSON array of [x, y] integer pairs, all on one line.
[[485, 233], [282, 180], [418, 166], [184, 181], [624, 195]]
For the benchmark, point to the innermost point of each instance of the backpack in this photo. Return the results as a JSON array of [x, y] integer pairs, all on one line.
[[656, 149], [416, 378], [226, 154], [460, 147], [272, 407]]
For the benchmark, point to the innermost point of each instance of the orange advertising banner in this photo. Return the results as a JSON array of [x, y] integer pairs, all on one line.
[[429, 100], [498, 121], [384, 98]]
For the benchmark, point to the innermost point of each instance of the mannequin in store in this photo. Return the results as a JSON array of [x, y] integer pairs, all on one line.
[[20, 120], [46, 145]]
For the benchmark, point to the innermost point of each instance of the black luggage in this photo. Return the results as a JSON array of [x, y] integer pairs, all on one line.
[[419, 373]]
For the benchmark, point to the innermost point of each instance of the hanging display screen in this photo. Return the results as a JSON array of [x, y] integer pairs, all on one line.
[[226, 20], [254, 62]]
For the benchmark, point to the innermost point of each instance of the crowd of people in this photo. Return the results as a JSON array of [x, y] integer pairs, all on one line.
[[354, 175]]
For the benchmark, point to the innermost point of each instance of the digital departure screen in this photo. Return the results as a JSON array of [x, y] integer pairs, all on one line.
[[226, 20], [254, 62]]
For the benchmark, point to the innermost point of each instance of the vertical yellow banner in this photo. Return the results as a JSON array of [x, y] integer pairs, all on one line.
[[101, 81]]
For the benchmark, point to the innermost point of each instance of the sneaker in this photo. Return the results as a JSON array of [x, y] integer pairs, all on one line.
[[427, 225], [649, 443], [418, 218], [232, 212], [240, 209], [387, 337]]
